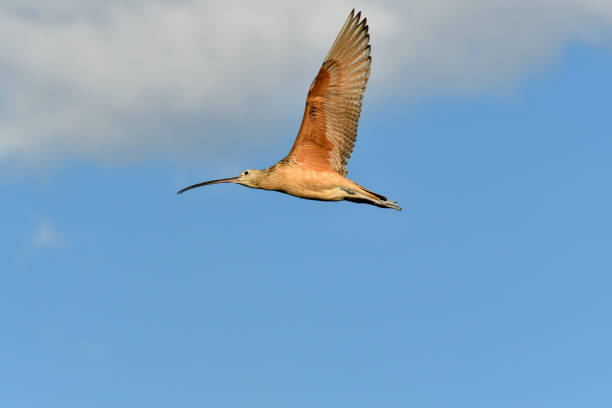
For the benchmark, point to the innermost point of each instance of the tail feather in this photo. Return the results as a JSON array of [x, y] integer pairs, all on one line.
[[379, 196], [389, 204], [368, 197]]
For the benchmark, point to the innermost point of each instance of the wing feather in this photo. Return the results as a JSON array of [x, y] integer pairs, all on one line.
[[327, 135]]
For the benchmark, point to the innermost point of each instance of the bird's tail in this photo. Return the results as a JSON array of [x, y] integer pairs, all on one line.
[[379, 196], [370, 197], [389, 204]]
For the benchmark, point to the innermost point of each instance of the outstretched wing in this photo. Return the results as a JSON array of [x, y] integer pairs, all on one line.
[[329, 127]]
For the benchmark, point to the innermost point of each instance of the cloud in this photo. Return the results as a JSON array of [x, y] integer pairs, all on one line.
[[108, 80], [47, 236]]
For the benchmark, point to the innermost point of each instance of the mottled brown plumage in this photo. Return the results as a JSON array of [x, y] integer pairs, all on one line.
[[315, 168]]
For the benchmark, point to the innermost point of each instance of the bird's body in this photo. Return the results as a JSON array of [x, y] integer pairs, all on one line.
[[315, 168], [288, 177]]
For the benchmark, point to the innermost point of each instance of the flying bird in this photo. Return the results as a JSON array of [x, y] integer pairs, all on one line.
[[315, 168]]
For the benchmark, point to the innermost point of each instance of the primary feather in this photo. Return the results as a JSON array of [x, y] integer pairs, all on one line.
[[328, 132]]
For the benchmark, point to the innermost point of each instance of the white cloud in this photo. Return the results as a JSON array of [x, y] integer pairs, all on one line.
[[106, 80], [47, 236]]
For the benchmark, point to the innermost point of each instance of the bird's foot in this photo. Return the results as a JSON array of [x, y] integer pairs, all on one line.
[[389, 204]]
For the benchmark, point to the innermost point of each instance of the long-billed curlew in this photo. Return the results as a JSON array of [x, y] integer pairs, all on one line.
[[315, 168]]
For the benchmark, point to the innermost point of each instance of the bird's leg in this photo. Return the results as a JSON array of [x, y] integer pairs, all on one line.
[[358, 197], [389, 204]]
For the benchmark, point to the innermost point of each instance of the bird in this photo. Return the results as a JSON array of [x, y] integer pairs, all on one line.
[[315, 167]]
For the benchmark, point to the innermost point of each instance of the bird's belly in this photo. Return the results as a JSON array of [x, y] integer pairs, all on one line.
[[332, 194], [315, 187]]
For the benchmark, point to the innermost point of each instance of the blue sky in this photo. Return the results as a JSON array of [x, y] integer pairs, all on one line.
[[490, 288]]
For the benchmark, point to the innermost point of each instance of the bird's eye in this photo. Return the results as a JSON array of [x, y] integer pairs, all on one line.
[[246, 172]]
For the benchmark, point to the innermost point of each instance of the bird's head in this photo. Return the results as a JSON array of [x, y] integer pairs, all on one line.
[[250, 178]]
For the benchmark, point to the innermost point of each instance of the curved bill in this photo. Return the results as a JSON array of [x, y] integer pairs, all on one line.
[[205, 183]]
